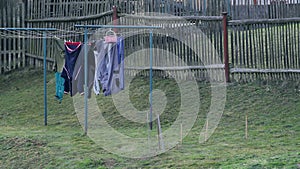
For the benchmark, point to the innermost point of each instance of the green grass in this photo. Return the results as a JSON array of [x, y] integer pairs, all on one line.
[[273, 135]]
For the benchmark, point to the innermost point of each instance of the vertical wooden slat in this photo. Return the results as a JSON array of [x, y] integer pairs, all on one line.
[[13, 48], [198, 61], [278, 54], [180, 49], [290, 45], [216, 55], [207, 49], [257, 49], [188, 45], [168, 44], [34, 9], [65, 6], [262, 56], [226, 59], [19, 49], [260, 46], [250, 34], [272, 44], [9, 44], [296, 53], [240, 47], [173, 45], [39, 7], [164, 49], [183, 52], [203, 52], [2, 42], [47, 5], [267, 53], [235, 53], [293, 45], [29, 7], [23, 25], [285, 49], [297, 40], [199, 51], [285, 44], [232, 47], [196, 40], [200, 44], [246, 42], [191, 51], [28, 40], [282, 47], [275, 62]]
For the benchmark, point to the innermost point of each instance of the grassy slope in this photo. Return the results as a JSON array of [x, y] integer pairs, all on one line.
[[274, 128]]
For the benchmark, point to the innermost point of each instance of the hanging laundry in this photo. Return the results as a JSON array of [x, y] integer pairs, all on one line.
[[59, 55], [72, 50], [59, 90], [78, 74], [109, 59]]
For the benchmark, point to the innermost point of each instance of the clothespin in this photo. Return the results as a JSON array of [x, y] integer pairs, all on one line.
[[91, 43], [111, 36]]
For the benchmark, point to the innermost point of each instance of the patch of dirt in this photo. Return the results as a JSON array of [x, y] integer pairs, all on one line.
[[109, 162], [17, 142]]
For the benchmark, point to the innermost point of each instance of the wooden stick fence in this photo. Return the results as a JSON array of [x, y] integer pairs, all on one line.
[[184, 45], [12, 50], [236, 9], [265, 49], [259, 49]]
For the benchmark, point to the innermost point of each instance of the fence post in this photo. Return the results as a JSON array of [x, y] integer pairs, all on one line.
[[225, 34], [115, 17]]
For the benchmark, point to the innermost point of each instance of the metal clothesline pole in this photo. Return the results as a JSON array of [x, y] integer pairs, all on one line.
[[151, 65], [45, 77], [85, 82], [86, 27], [44, 30]]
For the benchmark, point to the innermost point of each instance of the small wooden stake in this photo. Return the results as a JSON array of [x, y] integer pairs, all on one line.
[[181, 137], [206, 130], [159, 134], [246, 126]]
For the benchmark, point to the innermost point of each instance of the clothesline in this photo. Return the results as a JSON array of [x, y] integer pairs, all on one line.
[[65, 34], [46, 33], [31, 34]]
